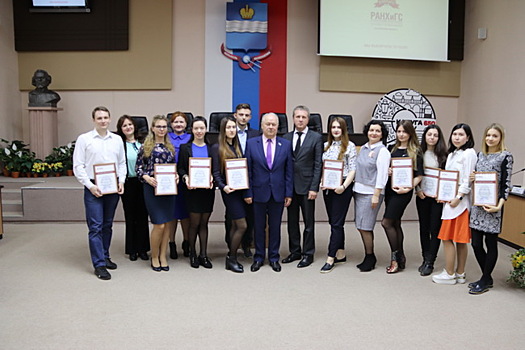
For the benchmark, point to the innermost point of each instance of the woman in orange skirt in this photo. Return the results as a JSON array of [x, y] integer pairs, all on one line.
[[455, 230]]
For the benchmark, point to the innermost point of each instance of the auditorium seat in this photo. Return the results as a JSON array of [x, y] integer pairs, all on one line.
[[348, 119]]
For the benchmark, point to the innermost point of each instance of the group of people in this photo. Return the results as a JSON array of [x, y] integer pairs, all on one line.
[[286, 172]]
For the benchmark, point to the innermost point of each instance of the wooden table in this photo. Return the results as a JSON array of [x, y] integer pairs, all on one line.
[[514, 221]]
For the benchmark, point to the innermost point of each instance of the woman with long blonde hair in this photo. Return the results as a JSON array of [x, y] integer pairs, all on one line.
[[157, 149]]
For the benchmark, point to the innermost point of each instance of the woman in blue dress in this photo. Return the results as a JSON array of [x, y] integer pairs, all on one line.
[[179, 136]]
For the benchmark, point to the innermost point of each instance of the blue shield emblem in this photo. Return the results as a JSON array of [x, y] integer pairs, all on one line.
[[246, 26]]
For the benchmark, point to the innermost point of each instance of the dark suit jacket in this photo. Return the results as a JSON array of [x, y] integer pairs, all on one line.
[[265, 182], [184, 158], [308, 162]]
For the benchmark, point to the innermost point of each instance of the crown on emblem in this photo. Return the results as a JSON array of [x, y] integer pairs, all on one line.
[[247, 12]]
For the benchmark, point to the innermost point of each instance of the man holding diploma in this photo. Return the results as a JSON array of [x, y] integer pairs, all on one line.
[[99, 146]]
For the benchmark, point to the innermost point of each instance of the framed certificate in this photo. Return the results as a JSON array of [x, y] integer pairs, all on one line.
[[448, 185], [402, 173], [237, 173], [485, 188], [106, 177], [165, 174], [332, 174], [429, 183], [200, 172]]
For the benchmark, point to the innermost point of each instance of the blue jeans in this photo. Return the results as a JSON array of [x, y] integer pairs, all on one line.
[[99, 216]]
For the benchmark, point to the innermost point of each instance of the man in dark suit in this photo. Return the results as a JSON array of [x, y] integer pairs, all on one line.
[[308, 152], [270, 168]]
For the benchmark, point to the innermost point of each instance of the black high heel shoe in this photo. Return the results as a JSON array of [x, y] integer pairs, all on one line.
[[194, 262], [205, 262], [233, 265], [368, 264], [156, 269]]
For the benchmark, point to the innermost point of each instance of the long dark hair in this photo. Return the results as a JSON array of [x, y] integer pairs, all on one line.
[[468, 131], [384, 130], [440, 149], [225, 152], [121, 121], [344, 136]]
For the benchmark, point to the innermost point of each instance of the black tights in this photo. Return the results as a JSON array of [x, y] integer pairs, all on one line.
[[394, 233], [199, 226], [238, 228], [486, 259]]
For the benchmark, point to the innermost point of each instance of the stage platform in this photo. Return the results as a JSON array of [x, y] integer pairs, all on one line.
[[61, 199]]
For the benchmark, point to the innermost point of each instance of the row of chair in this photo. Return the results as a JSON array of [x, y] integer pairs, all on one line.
[[315, 121]]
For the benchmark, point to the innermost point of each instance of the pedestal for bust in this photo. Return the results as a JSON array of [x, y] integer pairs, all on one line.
[[43, 130]]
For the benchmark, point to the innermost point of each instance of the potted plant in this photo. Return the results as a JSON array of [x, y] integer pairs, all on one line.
[[517, 275], [15, 156], [38, 168], [64, 155], [56, 168]]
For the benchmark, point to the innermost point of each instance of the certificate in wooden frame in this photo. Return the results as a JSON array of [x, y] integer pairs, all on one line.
[[237, 173], [166, 176], [430, 182], [199, 172], [106, 178], [402, 172], [332, 174], [448, 185], [485, 188]]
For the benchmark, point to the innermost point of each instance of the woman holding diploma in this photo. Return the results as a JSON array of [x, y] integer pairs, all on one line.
[[485, 221], [398, 197], [179, 122], [371, 176], [455, 231], [337, 200], [199, 200], [157, 149], [229, 148], [135, 212], [433, 146]]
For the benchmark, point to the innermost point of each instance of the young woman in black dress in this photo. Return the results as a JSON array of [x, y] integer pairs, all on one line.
[[398, 198], [199, 200], [229, 148]]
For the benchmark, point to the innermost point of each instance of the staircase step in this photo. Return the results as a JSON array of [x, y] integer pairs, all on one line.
[[11, 194], [12, 215]]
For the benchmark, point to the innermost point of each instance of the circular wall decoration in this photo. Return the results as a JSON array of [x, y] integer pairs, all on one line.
[[404, 104]]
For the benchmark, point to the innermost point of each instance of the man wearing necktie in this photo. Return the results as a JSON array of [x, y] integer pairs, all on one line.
[[307, 153], [270, 170]]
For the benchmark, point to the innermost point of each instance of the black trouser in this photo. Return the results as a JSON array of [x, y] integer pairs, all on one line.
[[307, 208], [337, 207], [429, 212]]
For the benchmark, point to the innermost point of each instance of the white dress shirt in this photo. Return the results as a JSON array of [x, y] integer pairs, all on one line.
[[91, 149]]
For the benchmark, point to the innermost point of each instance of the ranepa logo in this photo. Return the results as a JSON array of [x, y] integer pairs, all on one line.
[[391, 3]]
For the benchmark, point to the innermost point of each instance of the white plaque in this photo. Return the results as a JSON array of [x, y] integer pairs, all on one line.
[[165, 174], [332, 174], [485, 188], [448, 185], [237, 173], [430, 182], [200, 172], [106, 178], [402, 173]]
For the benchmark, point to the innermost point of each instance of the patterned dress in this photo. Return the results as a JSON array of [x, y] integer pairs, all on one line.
[[502, 164]]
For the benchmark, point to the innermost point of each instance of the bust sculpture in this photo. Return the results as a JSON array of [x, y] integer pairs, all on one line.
[[41, 96]]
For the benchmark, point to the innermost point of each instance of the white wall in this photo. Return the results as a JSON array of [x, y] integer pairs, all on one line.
[[493, 78]]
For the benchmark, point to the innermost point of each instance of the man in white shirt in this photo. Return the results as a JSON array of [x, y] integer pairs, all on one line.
[[99, 146]]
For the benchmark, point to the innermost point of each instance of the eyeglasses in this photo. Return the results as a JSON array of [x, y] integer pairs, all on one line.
[[161, 126]]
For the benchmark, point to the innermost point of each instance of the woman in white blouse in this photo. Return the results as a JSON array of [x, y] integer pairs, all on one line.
[[455, 230], [337, 200]]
